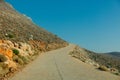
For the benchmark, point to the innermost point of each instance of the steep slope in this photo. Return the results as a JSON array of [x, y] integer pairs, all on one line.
[[17, 27], [21, 40], [107, 62]]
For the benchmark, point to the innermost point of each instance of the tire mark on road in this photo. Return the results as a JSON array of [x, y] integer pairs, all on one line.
[[58, 70]]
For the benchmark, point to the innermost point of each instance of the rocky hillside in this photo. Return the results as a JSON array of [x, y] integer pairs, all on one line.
[[18, 27], [21, 40], [101, 61], [114, 54]]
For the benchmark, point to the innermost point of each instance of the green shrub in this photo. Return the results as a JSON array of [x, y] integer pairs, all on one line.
[[117, 74], [25, 59], [18, 60], [21, 59], [15, 51], [15, 57], [10, 35], [2, 58]]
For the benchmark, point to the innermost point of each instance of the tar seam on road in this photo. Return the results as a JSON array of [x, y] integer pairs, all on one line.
[[58, 70]]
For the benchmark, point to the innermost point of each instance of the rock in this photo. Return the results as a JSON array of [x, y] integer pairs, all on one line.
[[96, 65], [10, 64], [113, 70], [10, 61], [6, 51], [25, 49], [10, 44], [38, 45], [16, 45], [11, 69], [23, 53], [9, 53], [2, 78]]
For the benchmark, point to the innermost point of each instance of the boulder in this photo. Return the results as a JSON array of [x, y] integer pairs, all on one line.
[[7, 52]]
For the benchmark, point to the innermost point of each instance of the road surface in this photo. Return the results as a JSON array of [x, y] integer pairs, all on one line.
[[59, 65]]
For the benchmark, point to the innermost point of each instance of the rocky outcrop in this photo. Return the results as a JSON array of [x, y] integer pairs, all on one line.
[[16, 54], [13, 54], [40, 45], [43, 46]]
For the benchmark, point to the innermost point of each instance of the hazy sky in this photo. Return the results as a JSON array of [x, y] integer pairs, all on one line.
[[93, 24]]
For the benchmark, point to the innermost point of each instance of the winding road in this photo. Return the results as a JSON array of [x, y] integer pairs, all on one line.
[[59, 65]]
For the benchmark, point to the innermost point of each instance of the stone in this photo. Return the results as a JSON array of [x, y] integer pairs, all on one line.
[[114, 70], [10, 64]]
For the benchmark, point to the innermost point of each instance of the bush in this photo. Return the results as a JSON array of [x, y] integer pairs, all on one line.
[[18, 60], [25, 59], [117, 74], [21, 59], [10, 36], [15, 57], [15, 51], [2, 58]]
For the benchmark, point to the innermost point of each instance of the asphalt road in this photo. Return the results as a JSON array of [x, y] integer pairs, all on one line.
[[59, 65]]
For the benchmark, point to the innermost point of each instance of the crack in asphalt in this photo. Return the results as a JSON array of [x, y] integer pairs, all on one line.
[[58, 70]]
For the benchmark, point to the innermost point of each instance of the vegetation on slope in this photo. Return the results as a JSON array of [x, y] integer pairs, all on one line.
[[102, 61], [17, 27], [21, 40]]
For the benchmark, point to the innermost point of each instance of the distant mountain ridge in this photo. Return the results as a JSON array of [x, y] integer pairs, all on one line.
[[116, 54]]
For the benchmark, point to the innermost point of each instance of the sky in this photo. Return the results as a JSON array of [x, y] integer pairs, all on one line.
[[92, 24]]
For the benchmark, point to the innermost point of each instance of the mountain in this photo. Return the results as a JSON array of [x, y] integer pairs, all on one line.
[[18, 27], [21, 40], [116, 54]]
